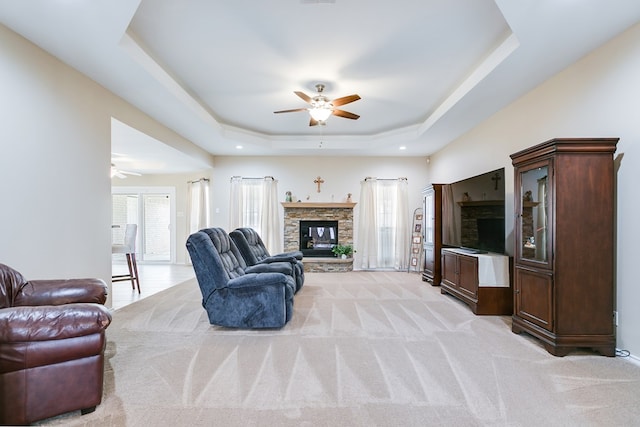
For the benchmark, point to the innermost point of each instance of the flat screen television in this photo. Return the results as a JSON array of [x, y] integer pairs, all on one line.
[[473, 213]]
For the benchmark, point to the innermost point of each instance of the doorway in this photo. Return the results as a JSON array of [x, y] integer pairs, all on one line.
[[152, 208]]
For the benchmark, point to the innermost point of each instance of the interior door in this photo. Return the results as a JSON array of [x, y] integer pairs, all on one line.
[[152, 209], [156, 237]]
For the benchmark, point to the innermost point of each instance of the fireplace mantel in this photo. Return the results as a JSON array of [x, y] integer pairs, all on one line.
[[318, 205]]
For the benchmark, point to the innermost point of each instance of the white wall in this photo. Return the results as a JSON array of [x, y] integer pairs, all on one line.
[[341, 175], [599, 96], [54, 220], [55, 159]]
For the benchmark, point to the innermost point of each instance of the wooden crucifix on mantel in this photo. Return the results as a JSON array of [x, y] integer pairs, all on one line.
[[318, 181]]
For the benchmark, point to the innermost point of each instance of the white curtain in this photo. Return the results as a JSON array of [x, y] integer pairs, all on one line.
[[254, 203], [367, 245], [198, 205], [383, 235], [235, 203], [270, 219], [402, 226]]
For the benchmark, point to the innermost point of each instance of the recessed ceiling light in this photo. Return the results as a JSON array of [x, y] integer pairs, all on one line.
[[239, 147], [402, 147]]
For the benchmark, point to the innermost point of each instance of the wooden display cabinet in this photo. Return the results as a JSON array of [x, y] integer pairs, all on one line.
[[564, 234], [432, 208]]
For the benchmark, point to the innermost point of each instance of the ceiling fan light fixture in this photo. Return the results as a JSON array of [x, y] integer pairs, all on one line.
[[321, 107], [320, 113]]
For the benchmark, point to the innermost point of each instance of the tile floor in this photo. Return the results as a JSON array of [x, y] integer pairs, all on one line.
[[153, 279]]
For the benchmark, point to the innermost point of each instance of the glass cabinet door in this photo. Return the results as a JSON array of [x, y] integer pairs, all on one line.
[[533, 239], [429, 213]]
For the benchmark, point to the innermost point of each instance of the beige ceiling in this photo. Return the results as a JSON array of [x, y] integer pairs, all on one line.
[[214, 71]]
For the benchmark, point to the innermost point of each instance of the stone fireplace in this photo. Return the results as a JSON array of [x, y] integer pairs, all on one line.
[[322, 214], [317, 238]]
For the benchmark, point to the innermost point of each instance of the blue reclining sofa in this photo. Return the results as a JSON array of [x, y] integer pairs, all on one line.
[[235, 295]]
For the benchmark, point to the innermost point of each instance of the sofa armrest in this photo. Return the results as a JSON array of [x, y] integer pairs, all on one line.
[[258, 280], [262, 282], [285, 268], [59, 292], [279, 258], [48, 322], [296, 254]]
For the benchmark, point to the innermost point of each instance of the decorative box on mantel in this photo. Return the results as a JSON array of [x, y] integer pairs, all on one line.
[[294, 212]]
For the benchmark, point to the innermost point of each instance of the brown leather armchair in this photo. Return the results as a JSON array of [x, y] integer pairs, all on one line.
[[52, 341]]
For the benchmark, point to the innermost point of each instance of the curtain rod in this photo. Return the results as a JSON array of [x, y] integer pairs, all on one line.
[[386, 179], [245, 177], [198, 180]]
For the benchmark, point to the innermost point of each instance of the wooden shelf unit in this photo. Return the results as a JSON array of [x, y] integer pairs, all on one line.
[[564, 243]]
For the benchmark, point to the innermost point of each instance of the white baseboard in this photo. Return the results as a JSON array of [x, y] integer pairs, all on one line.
[[631, 358]]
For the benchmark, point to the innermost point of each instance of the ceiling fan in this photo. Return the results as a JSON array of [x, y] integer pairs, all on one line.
[[119, 173], [322, 107]]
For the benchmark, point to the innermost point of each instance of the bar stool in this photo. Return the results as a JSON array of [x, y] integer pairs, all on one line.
[[129, 249]]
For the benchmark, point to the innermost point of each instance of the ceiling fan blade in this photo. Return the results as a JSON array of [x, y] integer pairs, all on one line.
[[313, 122], [119, 175], [290, 111], [304, 97], [129, 173], [345, 114], [344, 100]]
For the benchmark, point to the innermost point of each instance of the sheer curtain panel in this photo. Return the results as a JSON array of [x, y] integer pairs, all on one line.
[[235, 203], [198, 205], [383, 234], [270, 217], [254, 203], [402, 225], [367, 233]]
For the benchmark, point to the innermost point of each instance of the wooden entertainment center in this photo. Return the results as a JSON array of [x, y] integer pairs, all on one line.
[[560, 282], [482, 281], [480, 278]]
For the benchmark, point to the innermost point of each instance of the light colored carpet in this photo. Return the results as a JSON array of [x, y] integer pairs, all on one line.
[[362, 349]]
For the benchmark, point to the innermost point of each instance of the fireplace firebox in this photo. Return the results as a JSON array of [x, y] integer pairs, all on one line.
[[317, 238]]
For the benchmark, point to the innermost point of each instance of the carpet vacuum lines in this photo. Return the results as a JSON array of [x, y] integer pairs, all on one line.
[[362, 349]]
